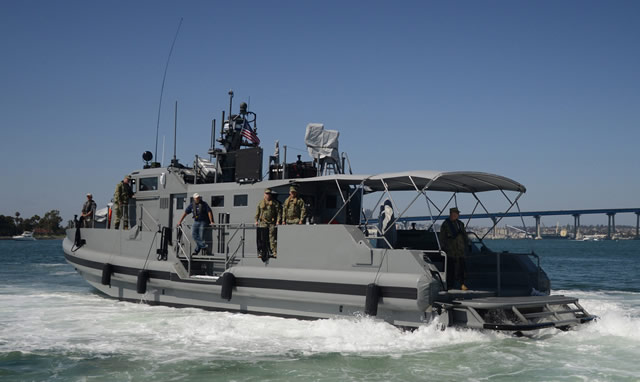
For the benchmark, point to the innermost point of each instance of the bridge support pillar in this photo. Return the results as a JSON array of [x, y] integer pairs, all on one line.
[[495, 228], [637, 225], [538, 236], [576, 227], [611, 228]]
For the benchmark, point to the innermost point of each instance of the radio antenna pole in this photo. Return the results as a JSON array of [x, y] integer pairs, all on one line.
[[164, 77], [174, 162]]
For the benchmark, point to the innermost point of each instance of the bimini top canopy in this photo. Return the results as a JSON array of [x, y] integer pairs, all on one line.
[[458, 181]]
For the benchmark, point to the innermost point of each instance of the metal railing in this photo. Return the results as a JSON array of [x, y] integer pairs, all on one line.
[[226, 239], [379, 235], [499, 256], [499, 270], [181, 235], [143, 213]]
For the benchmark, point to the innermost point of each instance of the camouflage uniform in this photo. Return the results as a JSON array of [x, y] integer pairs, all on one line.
[[120, 204], [268, 214], [454, 240], [293, 210], [88, 210]]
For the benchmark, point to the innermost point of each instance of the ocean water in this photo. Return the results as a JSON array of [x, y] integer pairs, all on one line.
[[54, 327]]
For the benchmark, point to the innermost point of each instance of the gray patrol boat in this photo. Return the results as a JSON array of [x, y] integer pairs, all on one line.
[[342, 262]]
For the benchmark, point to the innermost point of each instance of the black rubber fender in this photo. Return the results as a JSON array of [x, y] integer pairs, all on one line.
[[371, 303], [143, 277], [228, 283], [107, 270]]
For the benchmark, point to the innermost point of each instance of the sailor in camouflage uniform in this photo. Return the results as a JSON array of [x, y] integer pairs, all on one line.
[[88, 211], [121, 202], [268, 215], [454, 241], [293, 210]]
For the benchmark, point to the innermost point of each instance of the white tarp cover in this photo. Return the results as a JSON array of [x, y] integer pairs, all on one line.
[[101, 214], [322, 143]]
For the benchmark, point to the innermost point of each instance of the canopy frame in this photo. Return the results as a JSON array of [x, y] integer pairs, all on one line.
[[440, 182]]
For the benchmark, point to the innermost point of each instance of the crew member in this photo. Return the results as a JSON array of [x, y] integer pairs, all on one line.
[[268, 215], [202, 217], [88, 211], [293, 210], [454, 241], [121, 202]]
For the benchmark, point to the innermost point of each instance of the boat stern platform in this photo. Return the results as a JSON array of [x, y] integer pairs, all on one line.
[[516, 314]]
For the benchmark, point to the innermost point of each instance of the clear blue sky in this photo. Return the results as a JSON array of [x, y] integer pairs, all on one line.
[[545, 92]]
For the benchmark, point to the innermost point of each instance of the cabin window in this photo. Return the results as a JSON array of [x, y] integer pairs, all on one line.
[[217, 201], [240, 200], [179, 203], [148, 184], [332, 202]]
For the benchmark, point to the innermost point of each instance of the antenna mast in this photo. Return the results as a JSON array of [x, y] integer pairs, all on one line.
[[174, 161], [164, 77]]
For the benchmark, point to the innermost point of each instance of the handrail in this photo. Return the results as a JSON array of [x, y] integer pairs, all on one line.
[[499, 271], [181, 248], [144, 211], [229, 258], [378, 237], [446, 260]]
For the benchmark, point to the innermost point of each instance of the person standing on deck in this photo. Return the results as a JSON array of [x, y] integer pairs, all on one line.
[[121, 202], [88, 211], [454, 241], [202, 217], [293, 210], [268, 215]]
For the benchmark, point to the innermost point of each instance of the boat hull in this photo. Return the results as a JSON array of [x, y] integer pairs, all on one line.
[[124, 265], [258, 289]]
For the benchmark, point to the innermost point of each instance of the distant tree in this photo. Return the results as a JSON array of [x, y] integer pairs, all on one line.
[[7, 226], [17, 219], [51, 222], [30, 223]]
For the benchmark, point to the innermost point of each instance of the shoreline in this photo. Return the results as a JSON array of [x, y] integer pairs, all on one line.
[[48, 237]]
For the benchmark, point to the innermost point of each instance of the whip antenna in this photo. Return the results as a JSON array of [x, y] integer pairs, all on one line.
[[164, 77]]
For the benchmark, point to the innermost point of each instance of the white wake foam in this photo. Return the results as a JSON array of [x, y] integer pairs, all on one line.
[[87, 323]]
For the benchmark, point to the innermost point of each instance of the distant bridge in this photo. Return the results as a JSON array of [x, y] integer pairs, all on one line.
[[610, 212]]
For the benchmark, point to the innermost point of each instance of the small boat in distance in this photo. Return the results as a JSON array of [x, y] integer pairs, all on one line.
[[26, 236]]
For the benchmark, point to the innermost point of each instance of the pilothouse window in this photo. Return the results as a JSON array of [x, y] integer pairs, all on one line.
[[149, 184], [217, 201], [240, 200]]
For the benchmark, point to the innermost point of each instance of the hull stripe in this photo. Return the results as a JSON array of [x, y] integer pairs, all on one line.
[[246, 282]]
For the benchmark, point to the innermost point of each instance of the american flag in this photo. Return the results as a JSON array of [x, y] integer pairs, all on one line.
[[248, 133]]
